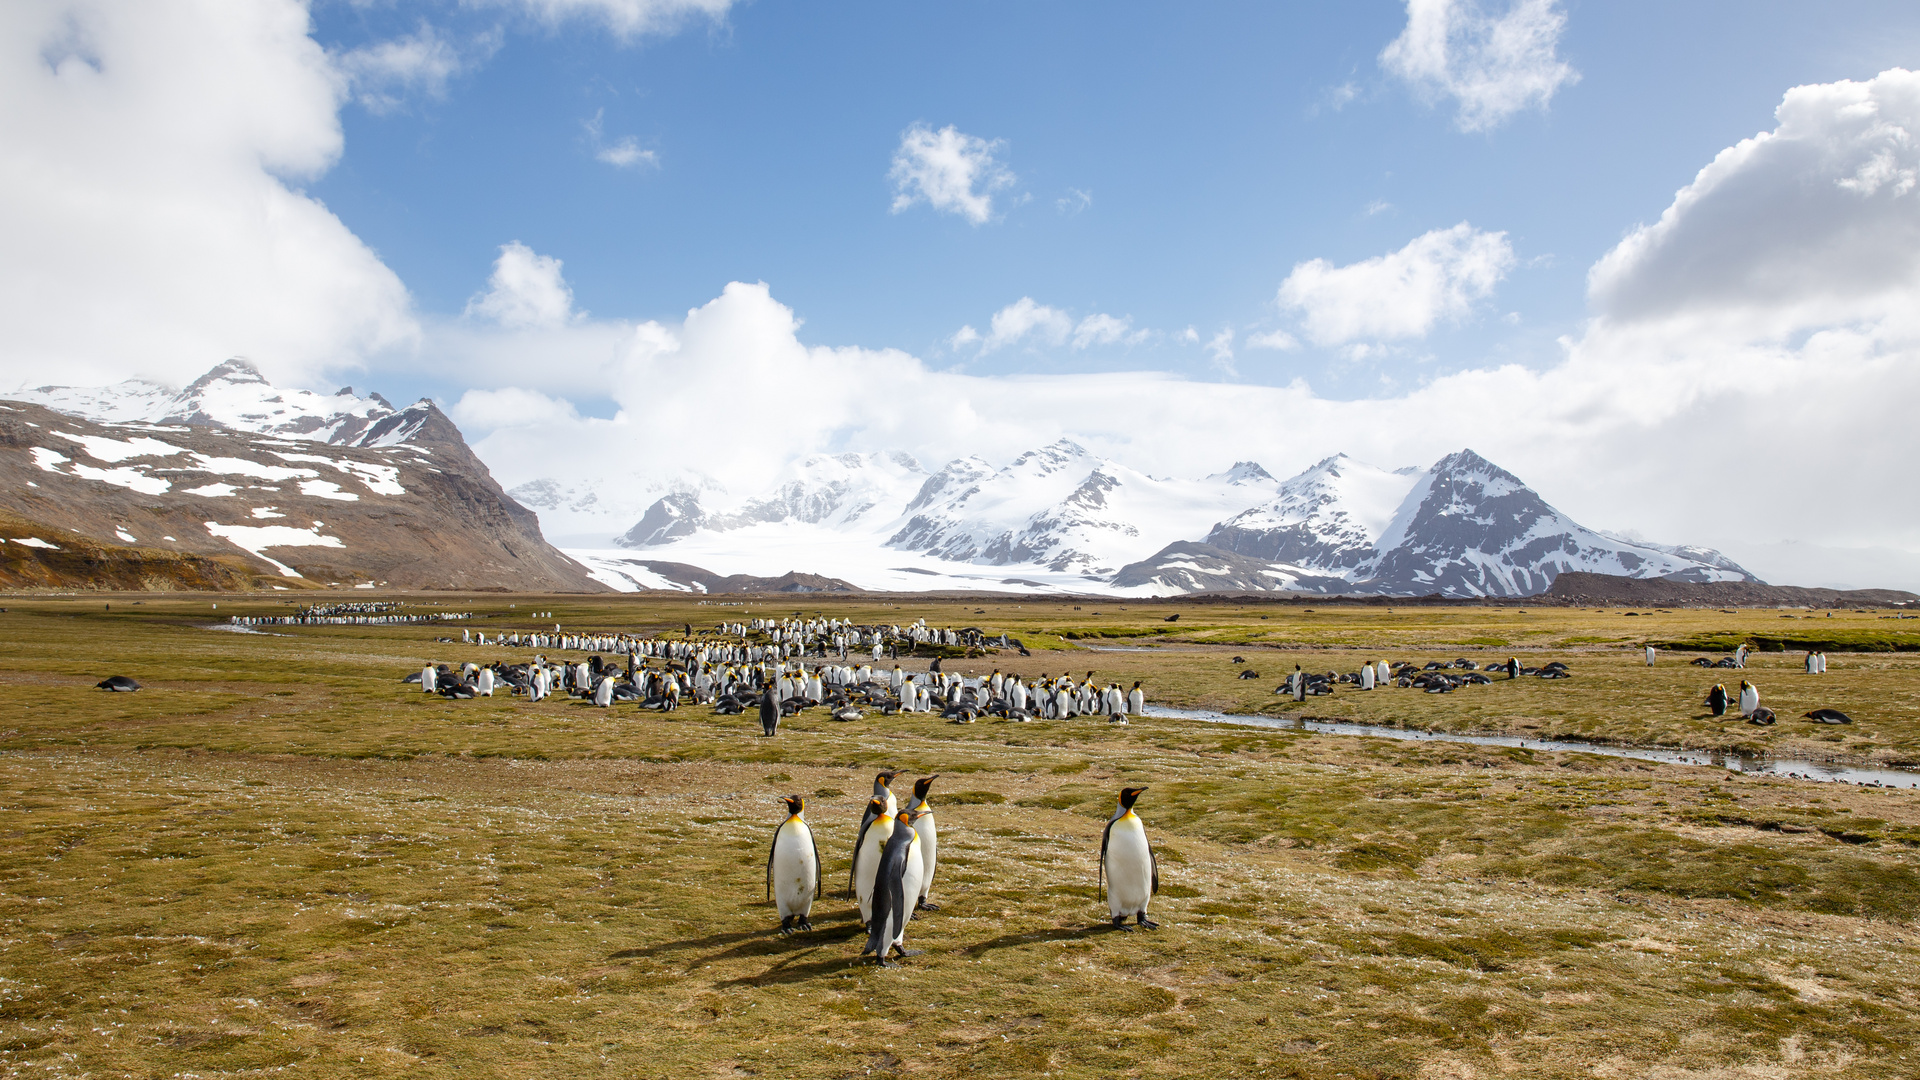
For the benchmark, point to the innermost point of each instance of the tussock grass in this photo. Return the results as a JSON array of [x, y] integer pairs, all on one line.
[[278, 859]]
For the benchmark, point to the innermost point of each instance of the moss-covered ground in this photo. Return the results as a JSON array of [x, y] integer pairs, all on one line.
[[279, 860]]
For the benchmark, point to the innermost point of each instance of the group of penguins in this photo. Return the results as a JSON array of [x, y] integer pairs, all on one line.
[[897, 851], [957, 699], [1748, 702], [1437, 677]]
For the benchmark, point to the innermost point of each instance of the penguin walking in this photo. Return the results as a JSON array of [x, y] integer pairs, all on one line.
[[1128, 870], [793, 868], [769, 713], [1717, 700], [895, 882], [868, 852], [929, 845], [1749, 698]]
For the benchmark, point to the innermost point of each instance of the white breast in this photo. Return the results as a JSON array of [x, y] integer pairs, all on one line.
[[794, 868], [1129, 867]]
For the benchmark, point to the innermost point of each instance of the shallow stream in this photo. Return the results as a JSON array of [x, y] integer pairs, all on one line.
[[1795, 768]]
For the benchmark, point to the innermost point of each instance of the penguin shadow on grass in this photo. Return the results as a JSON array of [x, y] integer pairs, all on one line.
[[1036, 937], [763, 941]]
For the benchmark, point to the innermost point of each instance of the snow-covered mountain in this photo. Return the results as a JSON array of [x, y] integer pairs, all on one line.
[[1326, 518], [1066, 509], [1061, 517], [236, 396], [1470, 528], [848, 493], [271, 485]]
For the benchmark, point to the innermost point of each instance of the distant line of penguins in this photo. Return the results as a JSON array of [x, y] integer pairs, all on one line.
[[897, 852], [1437, 677]]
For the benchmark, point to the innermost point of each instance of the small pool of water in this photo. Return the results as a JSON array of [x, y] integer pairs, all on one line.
[[1794, 768]]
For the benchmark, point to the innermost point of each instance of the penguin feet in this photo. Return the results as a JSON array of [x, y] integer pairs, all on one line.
[[806, 924], [1142, 920], [1120, 923], [925, 905], [786, 926], [909, 952]]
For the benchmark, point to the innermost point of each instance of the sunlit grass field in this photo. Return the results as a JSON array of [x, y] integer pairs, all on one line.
[[277, 859]]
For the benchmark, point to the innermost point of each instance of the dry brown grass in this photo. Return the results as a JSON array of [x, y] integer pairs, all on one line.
[[278, 859]]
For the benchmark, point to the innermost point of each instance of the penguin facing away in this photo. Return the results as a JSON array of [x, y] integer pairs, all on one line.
[[891, 908], [929, 845], [868, 850], [793, 869], [769, 713], [1129, 871], [1717, 700]]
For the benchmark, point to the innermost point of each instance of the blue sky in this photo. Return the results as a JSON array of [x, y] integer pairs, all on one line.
[[1211, 143]]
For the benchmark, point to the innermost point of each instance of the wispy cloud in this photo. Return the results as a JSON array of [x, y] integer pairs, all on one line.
[[383, 76], [1074, 201], [950, 171], [1492, 66], [622, 153]]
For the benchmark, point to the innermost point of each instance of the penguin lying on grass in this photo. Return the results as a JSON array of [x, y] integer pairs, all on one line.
[[793, 869], [117, 684], [1128, 870], [1828, 716]]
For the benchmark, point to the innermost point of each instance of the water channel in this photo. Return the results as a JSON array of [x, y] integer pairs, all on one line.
[[1794, 768]]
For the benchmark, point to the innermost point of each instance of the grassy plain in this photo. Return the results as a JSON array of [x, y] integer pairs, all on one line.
[[277, 859]]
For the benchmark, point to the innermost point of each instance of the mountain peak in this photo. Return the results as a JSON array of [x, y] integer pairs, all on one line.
[[236, 369]]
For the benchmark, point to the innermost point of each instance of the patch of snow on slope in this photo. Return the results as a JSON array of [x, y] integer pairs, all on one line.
[[252, 539], [113, 451]]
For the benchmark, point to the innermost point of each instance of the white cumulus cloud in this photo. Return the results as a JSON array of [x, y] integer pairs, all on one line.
[[526, 291], [1492, 65], [949, 170], [1402, 294], [1813, 224], [146, 151]]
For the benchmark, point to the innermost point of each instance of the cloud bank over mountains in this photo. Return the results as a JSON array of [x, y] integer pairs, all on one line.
[[1742, 380]]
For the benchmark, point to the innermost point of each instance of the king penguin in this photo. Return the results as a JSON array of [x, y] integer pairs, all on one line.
[[929, 837], [1137, 701], [793, 868], [1717, 700], [867, 852], [1130, 873], [1749, 698], [883, 791], [895, 880], [769, 713]]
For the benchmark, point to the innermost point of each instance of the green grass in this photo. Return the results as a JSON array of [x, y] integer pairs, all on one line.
[[278, 859]]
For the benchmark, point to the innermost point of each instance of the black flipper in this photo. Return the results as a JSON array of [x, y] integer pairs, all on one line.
[[1100, 879]]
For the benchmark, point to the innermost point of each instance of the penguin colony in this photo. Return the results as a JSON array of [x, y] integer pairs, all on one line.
[[763, 667], [897, 852]]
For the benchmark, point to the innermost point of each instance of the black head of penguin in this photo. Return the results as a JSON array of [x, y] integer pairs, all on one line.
[[795, 804], [1129, 795], [922, 786]]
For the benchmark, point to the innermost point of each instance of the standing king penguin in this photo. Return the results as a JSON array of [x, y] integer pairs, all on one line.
[[929, 837], [868, 852], [769, 713], [1749, 698], [895, 882], [793, 868], [1129, 871], [1717, 700]]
